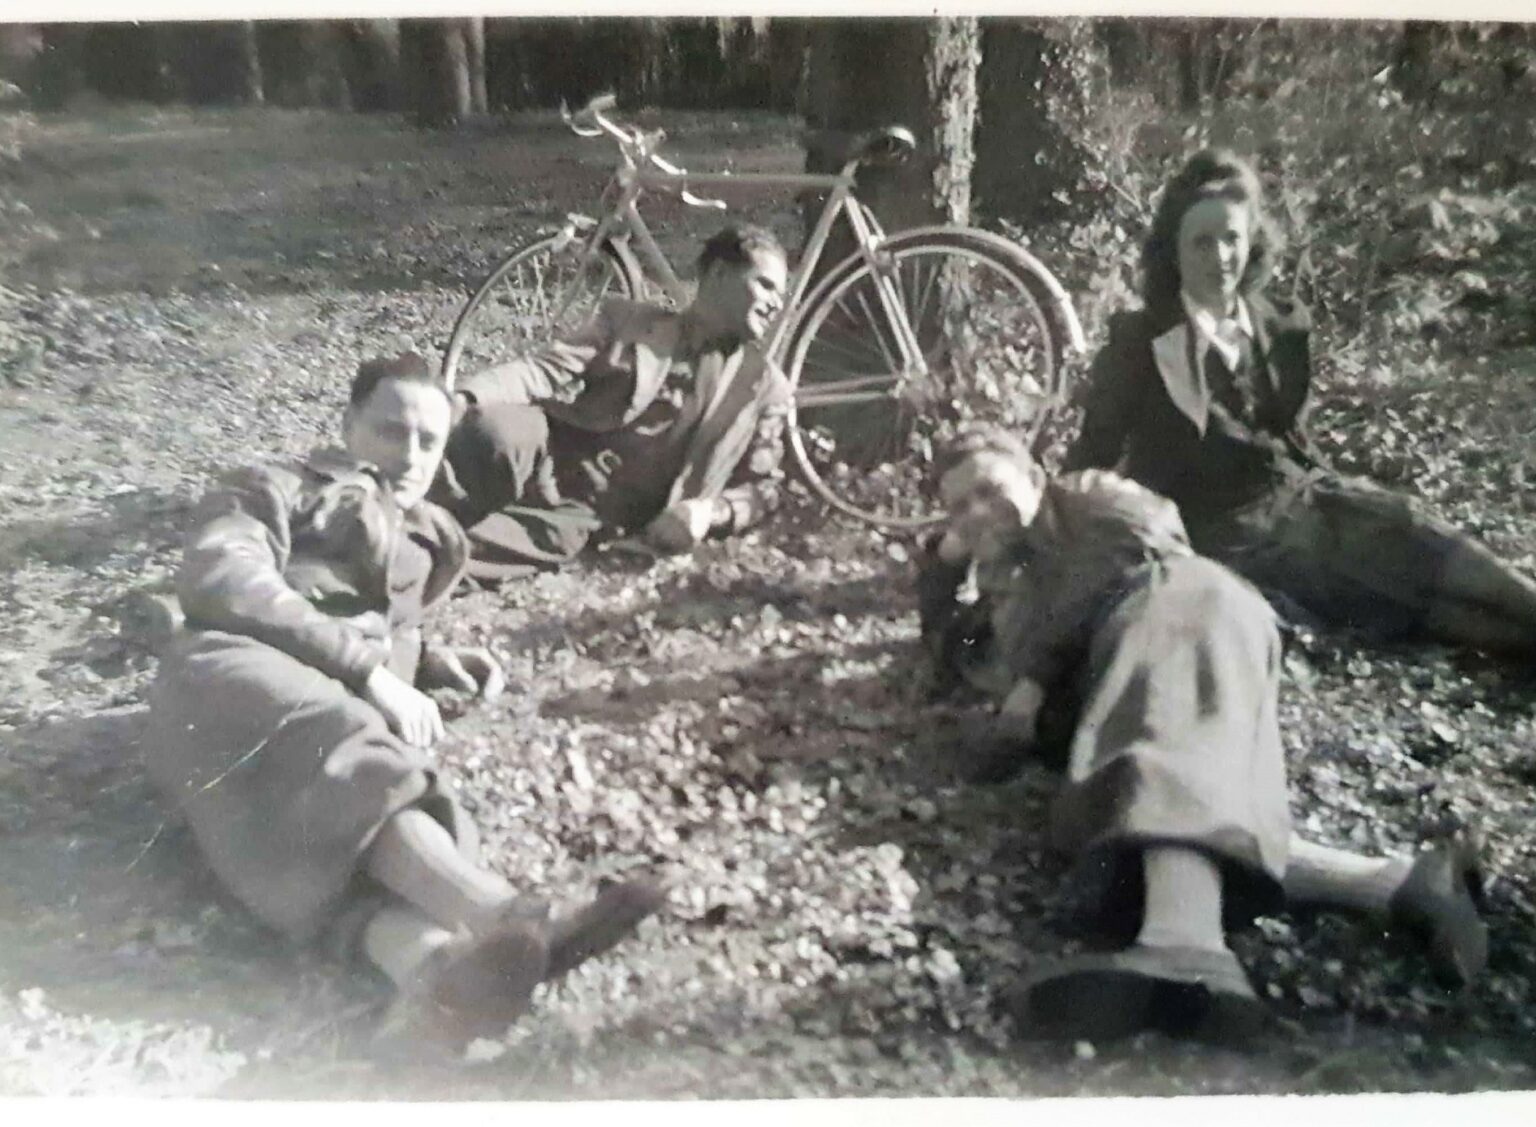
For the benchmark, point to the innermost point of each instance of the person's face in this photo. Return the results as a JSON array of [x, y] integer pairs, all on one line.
[[1213, 250], [401, 428], [988, 496], [743, 299]]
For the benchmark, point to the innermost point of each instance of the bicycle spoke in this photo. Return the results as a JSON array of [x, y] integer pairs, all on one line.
[[863, 355], [874, 324], [923, 301], [535, 297], [989, 356]]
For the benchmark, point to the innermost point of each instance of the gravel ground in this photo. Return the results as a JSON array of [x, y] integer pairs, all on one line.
[[191, 291]]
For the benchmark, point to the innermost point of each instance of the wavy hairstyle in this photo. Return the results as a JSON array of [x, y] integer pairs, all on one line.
[[1211, 174]]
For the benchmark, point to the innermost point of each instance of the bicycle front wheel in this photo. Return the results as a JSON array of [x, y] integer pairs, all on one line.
[[868, 416], [542, 291]]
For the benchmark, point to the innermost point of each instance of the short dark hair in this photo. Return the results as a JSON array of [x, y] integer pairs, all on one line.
[[986, 439], [408, 367], [1218, 174], [735, 245]]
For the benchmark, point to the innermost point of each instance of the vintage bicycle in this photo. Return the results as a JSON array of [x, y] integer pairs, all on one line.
[[889, 350]]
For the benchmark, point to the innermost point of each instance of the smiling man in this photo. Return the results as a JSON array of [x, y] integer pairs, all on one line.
[[656, 423], [290, 726]]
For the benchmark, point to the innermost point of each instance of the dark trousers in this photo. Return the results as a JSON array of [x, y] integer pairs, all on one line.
[[499, 482], [1350, 552]]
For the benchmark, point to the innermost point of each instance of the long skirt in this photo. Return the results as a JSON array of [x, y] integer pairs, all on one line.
[[1178, 741], [285, 777]]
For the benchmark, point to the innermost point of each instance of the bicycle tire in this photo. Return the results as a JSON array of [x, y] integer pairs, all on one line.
[[837, 445], [618, 275]]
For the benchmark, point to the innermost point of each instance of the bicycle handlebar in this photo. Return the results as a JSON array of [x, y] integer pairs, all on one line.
[[633, 142]]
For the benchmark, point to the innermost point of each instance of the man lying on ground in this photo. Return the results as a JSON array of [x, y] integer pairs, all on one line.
[[1175, 783], [288, 721], [641, 423]]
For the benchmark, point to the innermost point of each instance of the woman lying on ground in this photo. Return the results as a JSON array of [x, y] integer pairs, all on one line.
[[1175, 785], [287, 723], [1203, 397]]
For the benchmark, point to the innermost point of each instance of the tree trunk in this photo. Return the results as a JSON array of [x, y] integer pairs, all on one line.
[[788, 40], [371, 60], [867, 73], [217, 63], [474, 57], [1035, 88], [1190, 43], [249, 87], [510, 50], [435, 58], [1125, 48], [1413, 67], [304, 63], [59, 75]]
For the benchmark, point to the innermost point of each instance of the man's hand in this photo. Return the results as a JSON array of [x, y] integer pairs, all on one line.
[[470, 668], [685, 525], [411, 714]]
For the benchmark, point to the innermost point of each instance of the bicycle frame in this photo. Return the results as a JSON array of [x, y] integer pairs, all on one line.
[[624, 221]]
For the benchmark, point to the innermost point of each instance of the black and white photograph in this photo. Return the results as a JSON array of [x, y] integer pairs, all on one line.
[[671, 557]]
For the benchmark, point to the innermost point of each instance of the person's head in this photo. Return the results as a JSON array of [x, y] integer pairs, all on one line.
[[1211, 236], [991, 486], [742, 276], [397, 418]]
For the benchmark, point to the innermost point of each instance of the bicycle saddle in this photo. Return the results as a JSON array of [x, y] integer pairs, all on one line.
[[890, 145]]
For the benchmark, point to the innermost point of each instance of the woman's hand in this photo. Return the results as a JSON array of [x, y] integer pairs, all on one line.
[[470, 668], [410, 713]]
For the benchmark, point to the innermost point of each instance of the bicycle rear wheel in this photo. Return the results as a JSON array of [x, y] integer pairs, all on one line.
[[544, 290], [864, 426]]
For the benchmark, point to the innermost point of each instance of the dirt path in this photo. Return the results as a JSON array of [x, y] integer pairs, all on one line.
[[202, 284]]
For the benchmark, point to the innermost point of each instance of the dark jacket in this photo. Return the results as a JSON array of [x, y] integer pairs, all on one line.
[[300, 557], [1148, 410], [616, 375]]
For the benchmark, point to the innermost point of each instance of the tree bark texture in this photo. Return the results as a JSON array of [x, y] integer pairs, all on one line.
[[866, 74], [435, 56]]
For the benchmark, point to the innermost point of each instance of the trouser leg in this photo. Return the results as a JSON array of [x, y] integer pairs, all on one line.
[[400, 940], [1182, 905], [1337, 878], [418, 860], [497, 456], [499, 482]]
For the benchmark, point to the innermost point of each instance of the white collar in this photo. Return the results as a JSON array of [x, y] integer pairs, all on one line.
[[1205, 320]]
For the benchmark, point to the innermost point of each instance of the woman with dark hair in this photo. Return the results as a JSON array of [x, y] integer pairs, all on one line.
[[1203, 396]]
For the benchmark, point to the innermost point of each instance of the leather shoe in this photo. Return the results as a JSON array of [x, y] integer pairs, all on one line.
[[1438, 901], [1184, 991]]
